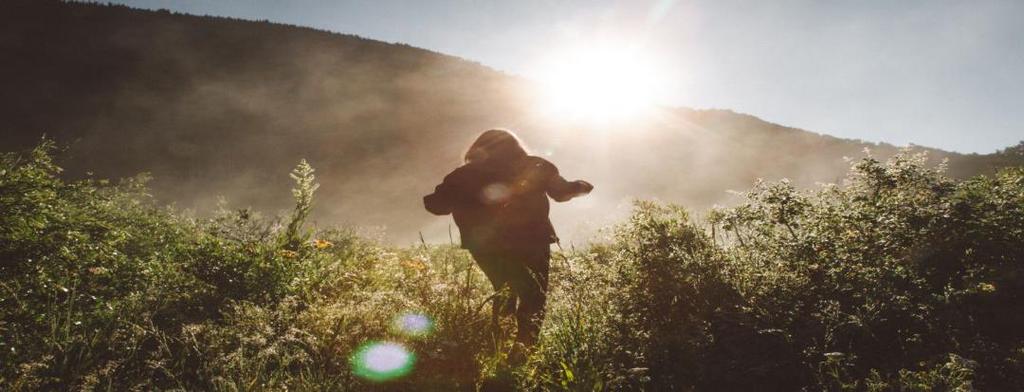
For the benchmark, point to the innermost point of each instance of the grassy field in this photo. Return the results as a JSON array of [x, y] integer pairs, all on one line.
[[898, 279]]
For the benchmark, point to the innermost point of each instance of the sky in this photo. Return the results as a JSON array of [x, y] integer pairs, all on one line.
[[944, 74]]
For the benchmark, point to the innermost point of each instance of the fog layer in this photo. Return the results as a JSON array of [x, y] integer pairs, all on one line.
[[215, 107]]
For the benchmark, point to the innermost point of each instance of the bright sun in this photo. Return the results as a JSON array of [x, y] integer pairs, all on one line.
[[598, 84]]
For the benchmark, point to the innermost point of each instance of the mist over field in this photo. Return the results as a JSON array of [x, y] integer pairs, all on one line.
[[279, 238], [215, 107]]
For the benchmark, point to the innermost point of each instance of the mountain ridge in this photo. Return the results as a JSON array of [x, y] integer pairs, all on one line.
[[216, 106]]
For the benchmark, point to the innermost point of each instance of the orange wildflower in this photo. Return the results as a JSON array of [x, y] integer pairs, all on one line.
[[322, 244], [414, 265]]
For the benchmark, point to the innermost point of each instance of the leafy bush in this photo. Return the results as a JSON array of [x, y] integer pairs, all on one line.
[[103, 288], [900, 279]]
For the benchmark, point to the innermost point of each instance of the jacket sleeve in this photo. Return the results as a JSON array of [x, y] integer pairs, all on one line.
[[558, 188], [442, 201]]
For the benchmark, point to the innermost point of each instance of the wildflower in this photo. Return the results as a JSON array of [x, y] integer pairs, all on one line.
[[322, 244], [414, 265], [986, 287], [289, 254]]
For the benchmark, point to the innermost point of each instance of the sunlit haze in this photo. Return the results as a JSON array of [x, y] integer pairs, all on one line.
[[944, 74], [529, 195], [599, 82]]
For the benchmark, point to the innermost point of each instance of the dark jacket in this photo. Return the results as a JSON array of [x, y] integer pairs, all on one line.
[[502, 204]]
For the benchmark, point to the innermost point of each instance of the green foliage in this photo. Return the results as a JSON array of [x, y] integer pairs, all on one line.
[[900, 279], [104, 289], [305, 186]]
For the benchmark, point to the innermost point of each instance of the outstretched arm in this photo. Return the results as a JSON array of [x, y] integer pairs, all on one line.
[[562, 190]]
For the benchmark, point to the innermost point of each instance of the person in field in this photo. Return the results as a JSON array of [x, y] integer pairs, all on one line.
[[499, 200]]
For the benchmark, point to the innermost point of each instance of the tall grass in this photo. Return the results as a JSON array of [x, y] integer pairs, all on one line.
[[899, 279]]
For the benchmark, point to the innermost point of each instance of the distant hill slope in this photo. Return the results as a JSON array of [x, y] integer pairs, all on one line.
[[215, 106]]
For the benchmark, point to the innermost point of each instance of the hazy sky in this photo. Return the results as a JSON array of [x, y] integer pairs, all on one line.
[[946, 74]]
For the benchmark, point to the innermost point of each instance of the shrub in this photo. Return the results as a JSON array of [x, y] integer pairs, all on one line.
[[105, 289], [898, 279]]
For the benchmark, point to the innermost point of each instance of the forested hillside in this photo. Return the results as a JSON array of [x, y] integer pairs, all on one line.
[[220, 107]]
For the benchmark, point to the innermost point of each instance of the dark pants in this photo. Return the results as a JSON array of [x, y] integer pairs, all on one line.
[[525, 271]]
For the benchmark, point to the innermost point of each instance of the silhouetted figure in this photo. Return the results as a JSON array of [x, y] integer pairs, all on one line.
[[499, 200]]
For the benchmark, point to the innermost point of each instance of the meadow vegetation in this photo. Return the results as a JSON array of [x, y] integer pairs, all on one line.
[[898, 279]]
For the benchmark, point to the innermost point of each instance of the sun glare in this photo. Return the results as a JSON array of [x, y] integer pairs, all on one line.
[[598, 84]]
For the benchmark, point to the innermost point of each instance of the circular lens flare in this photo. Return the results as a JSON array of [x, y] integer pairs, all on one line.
[[382, 361], [413, 324], [496, 193]]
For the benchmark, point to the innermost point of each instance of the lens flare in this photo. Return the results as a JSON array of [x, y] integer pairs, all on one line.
[[382, 361], [413, 324], [495, 193]]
